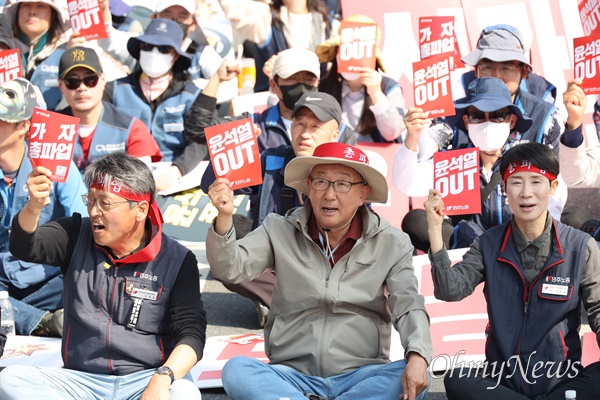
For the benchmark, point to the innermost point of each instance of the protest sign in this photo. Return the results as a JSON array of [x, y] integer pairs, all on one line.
[[357, 46], [234, 153], [86, 18], [10, 65], [456, 176], [432, 86], [51, 142], [587, 63], [589, 13], [437, 37]]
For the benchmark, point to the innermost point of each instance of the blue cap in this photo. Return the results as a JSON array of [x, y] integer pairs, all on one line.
[[119, 8], [490, 94], [161, 32]]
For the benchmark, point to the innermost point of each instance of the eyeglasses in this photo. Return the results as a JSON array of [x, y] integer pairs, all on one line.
[[104, 206], [477, 117], [74, 83], [338, 186], [506, 70], [161, 49]]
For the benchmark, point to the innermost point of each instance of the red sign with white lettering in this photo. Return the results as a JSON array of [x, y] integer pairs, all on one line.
[[432, 86], [456, 176], [10, 65], [589, 13], [234, 153], [86, 18], [51, 142], [587, 66], [437, 37], [357, 46]]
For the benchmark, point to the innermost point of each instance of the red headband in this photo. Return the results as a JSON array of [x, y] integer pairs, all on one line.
[[152, 249], [526, 166], [115, 188]]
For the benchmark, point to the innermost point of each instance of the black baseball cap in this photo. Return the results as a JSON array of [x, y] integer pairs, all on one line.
[[76, 57], [323, 105]]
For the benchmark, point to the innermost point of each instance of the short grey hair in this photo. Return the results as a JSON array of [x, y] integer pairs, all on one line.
[[131, 173]]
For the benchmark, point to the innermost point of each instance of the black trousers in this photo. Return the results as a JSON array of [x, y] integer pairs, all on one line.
[[586, 384]]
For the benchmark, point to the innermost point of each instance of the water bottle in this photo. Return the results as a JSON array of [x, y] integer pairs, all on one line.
[[570, 395], [7, 315]]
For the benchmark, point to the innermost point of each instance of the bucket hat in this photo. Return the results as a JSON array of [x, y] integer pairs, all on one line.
[[297, 171]]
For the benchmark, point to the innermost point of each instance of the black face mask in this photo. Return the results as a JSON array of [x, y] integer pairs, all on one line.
[[292, 93]]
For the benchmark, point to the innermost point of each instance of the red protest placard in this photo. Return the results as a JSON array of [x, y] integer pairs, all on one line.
[[234, 153], [357, 46], [456, 176], [10, 65], [51, 142], [438, 37], [432, 86], [589, 13], [586, 68], [86, 18]]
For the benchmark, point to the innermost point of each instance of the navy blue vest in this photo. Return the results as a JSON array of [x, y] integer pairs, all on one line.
[[97, 337], [537, 323]]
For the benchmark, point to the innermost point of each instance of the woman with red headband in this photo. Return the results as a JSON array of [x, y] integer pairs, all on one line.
[[537, 272]]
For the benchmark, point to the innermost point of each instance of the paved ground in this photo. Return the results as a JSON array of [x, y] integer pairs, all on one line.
[[229, 314]]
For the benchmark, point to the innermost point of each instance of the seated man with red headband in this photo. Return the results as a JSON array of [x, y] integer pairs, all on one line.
[[134, 324]]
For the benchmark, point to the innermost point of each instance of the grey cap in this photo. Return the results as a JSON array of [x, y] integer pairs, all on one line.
[[498, 43]]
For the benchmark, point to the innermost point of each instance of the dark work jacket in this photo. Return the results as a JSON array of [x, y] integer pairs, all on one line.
[[526, 322], [96, 335]]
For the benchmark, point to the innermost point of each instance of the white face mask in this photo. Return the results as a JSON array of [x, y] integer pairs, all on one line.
[[350, 76], [155, 64], [489, 136]]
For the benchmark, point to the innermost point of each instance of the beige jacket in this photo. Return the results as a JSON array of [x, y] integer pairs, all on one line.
[[327, 321]]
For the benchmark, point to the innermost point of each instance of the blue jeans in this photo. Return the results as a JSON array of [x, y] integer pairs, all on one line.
[[246, 378], [28, 382], [30, 309]]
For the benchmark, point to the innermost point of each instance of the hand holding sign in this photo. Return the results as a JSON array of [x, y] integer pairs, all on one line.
[[587, 63], [51, 142], [234, 153], [38, 186], [87, 19], [357, 46], [456, 177], [433, 89], [575, 102]]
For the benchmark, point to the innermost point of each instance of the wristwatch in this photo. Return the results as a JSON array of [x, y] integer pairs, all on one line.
[[164, 370]]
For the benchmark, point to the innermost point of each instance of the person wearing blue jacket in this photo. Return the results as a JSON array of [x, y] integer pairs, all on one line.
[[160, 94], [35, 289], [538, 273]]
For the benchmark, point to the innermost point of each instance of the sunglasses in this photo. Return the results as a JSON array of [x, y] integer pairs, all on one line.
[[477, 117], [74, 83], [161, 49]]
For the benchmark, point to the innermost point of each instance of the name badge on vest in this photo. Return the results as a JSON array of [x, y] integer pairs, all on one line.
[[144, 294], [557, 290], [173, 127]]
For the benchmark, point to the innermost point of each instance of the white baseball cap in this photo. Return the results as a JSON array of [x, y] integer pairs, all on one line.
[[290, 61]]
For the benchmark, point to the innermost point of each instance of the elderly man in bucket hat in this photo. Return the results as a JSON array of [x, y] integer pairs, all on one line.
[[335, 298], [490, 119]]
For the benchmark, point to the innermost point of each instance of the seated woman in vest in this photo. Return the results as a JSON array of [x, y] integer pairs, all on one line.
[[41, 26], [372, 103], [538, 273], [160, 93], [278, 26]]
